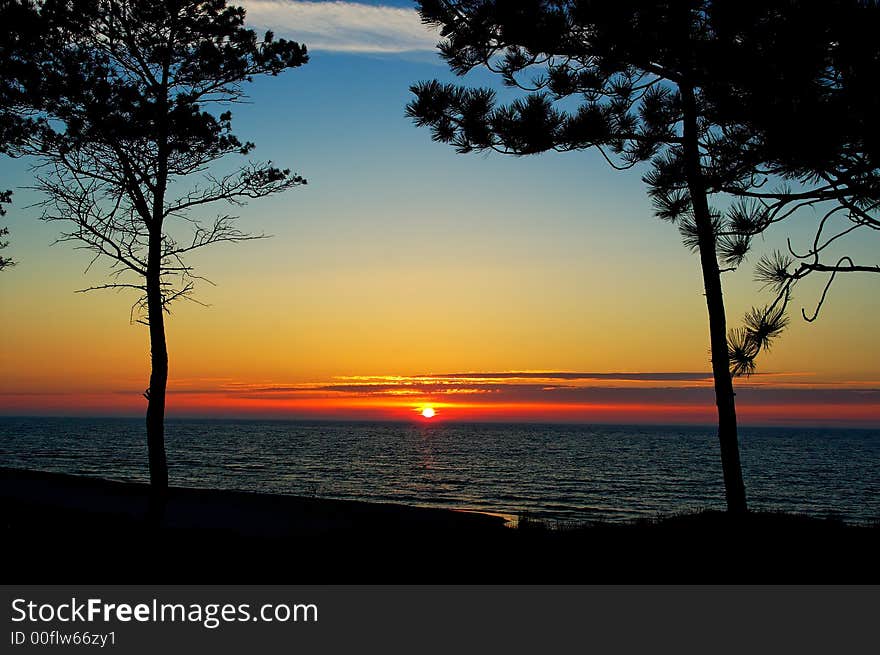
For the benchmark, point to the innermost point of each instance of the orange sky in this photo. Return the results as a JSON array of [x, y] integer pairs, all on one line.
[[402, 258], [339, 347], [679, 397]]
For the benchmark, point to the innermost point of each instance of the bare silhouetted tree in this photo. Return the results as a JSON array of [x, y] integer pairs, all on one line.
[[5, 197], [130, 149], [24, 47]]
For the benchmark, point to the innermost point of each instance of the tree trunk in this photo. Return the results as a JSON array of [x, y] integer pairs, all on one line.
[[156, 313], [724, 395], [158, 384]]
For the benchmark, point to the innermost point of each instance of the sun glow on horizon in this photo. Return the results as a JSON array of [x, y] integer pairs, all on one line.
[[555, 396]]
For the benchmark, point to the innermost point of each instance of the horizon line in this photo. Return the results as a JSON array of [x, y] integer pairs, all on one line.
[[843, 425]]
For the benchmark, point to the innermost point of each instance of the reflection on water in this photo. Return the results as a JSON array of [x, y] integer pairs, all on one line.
[[570, 473]]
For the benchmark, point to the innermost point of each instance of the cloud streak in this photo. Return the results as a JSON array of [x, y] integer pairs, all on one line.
[[564, 387], [568, 375], [535, 393], [554, 396], [344, 26]]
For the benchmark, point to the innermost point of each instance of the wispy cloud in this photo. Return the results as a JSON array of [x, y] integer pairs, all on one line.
[[571, 375], [624, 397], [539, 393], [343, 26], [657, 388]]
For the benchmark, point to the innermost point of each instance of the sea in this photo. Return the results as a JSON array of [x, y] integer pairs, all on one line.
[[561, 474]]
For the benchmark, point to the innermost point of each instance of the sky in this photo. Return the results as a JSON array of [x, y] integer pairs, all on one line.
[[405, 276]]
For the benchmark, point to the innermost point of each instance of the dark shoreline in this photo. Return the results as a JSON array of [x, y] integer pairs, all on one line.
[[63, 528]]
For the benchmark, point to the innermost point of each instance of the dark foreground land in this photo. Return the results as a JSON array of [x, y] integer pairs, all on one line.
[[61, 528]]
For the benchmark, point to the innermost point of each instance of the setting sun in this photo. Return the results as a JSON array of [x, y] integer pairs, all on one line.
[[428, 412]]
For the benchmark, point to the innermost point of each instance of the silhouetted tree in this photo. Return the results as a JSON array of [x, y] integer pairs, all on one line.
[[627, 78], [797, 102], [5, 197], [23, 48], [129, 150]]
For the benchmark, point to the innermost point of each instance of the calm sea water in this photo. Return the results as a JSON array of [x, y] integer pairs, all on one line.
[[564, 472]]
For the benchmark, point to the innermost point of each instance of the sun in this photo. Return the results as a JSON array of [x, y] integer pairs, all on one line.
[[428, 412]]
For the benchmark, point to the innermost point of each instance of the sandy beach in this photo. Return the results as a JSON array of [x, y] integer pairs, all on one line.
[[62, 528], [244, 514]]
